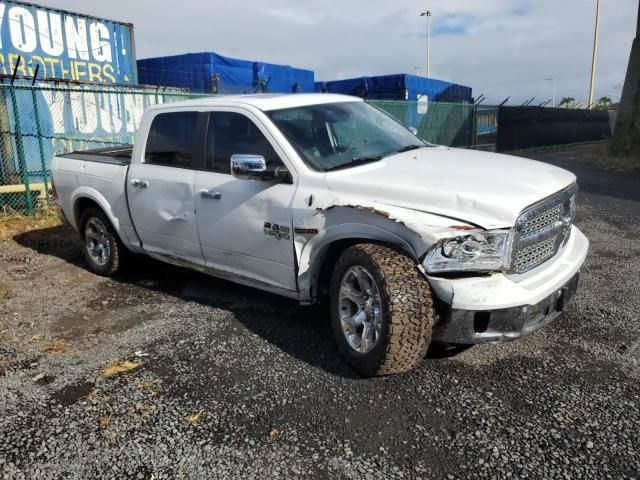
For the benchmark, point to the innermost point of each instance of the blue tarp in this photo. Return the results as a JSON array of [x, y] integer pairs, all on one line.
[[419, 92], [210, 72], [399, 87]]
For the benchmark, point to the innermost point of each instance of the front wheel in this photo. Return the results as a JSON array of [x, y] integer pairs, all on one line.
[[102, 248], [381, 310]]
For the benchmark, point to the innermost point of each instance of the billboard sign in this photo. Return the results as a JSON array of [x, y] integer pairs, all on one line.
[[65, 45]]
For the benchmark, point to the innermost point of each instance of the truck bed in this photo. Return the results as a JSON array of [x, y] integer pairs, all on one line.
[[113, 155]]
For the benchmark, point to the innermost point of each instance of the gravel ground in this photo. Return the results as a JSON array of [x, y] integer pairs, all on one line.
[[228, 382]]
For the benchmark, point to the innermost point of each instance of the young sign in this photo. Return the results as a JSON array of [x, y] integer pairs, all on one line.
[[65, 45]]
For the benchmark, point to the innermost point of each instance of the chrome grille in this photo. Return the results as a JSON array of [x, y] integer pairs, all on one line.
[[534, 255], [542, 229], [542, 221]]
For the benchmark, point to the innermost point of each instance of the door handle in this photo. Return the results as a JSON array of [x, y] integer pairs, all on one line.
[[140, 183], [210, 194]]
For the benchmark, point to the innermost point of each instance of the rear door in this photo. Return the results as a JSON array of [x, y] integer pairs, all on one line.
[[244, 225], [160, 186]]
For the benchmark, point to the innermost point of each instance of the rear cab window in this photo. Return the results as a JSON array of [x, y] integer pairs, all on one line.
[[172, 140]]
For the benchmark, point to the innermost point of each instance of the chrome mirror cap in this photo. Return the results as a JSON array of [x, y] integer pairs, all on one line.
[[248, 167]]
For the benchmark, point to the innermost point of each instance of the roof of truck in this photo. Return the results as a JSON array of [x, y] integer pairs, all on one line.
[[264, 101]]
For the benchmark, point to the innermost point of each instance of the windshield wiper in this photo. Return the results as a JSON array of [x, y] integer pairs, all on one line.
[[406, 148], [353, 162]]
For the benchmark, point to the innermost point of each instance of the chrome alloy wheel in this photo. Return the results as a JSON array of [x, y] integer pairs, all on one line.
[[360, 309], [97, 241]]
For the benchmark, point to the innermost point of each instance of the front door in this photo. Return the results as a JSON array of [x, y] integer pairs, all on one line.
[[160, 187], [244, 225]]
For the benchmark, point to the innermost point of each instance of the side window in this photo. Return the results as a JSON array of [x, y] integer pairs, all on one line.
[[171, 140], [232, 133]]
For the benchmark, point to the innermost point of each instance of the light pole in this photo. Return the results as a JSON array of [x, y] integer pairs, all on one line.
[[428, 15], [553, 79], [595, 55]]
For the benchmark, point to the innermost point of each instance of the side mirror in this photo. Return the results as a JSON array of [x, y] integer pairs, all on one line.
[[414, 130], [254, 167]]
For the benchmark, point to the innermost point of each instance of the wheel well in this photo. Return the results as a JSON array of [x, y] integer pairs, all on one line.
[[330, 257], [81, 206]]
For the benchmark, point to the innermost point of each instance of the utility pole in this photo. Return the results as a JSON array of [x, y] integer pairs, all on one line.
[[428, 15], [595, 55]]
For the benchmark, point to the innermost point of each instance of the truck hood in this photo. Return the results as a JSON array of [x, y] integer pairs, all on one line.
[[485, 189]]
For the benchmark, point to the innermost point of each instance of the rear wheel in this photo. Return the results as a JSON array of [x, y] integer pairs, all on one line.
[[102, 248], [381, 310]]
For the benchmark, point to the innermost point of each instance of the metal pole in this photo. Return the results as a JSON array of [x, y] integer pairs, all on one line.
[[43, 161], [553, 99], [24, 169], [428, 44], [428, 15], [595, 55]]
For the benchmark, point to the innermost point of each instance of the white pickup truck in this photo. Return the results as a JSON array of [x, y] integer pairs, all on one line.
[[326, 198]]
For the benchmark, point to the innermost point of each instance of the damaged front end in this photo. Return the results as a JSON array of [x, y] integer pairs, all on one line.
[[479, 298], [412, 231]]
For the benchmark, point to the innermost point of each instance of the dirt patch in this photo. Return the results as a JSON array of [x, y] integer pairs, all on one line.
[[72, 393], [81, 325]]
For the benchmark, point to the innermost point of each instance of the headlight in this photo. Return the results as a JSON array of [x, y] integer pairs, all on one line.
[[479, 252]]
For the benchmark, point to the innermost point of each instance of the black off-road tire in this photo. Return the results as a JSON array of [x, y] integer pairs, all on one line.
[[407, 308], [118, 250]]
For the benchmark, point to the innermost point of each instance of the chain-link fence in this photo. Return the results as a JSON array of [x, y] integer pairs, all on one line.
[[450, 124], [39, 121]]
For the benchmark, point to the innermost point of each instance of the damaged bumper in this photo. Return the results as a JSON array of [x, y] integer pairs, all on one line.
[[499, 308], [503, 325]]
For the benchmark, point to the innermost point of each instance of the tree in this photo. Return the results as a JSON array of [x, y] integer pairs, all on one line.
[[566, 102], [626, 138], [604, 103]]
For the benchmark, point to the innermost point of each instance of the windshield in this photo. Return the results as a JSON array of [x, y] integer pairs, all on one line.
[[339, 135]]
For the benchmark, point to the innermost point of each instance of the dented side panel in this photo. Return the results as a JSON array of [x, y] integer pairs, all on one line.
[[164, 213], [321, 218]]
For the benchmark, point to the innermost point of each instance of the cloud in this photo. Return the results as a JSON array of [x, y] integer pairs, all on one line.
[[498, 47]]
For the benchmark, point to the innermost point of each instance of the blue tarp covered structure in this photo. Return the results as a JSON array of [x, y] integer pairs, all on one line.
[[418, 92], [213, 73], [399, 87]]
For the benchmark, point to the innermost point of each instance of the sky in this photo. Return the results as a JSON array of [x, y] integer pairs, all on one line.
[[499, 48]]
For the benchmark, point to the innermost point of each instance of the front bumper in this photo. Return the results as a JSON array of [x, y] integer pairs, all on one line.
[[503, 325], [499, 307]]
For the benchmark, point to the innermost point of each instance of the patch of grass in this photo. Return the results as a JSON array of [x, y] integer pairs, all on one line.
[[55, 347], [149, 387], [105, 421], [5, 293], [595, 155], [116, 368], [195, 418], [13, 223], [49, 346]]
